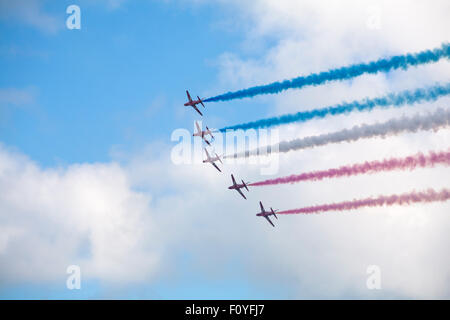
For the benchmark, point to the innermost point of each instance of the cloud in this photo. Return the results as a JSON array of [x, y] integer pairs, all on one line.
[[17, 97], [308, 36], [84, 214], [12, 99], [30, 12], [93, 215], [306, 257]]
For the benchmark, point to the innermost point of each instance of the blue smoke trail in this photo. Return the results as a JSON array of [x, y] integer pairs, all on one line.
[[392, 99], [382, 65]]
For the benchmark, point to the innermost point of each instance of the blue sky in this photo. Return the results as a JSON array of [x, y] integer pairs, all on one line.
[[119, 81], [86, 177]]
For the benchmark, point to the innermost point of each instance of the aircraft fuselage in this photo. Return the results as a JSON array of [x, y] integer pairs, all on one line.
[[192, 103]]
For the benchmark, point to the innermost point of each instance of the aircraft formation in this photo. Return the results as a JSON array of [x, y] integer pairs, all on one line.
[[216, 158], [431, 120]]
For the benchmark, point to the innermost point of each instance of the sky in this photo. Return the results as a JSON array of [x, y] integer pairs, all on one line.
[[87, 175]]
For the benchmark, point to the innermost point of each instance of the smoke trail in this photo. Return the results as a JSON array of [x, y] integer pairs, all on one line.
[[436, 120], [408, 163], [348, 72], [394, 99], [404, 199]]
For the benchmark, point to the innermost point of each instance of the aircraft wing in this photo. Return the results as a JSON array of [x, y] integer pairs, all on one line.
[[215, 166], [199, 130], [232, 178], [196, 109], [207, 142], [240, 192], [268, 219], [188, 95], [262, 208]]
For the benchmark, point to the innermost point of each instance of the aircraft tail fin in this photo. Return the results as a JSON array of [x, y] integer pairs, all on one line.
[[200, 100], [273, 212], [210, 133], [245, 186]]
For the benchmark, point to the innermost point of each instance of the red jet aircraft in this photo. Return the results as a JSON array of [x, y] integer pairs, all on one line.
[[212, 160], [238, 187], [193, 103], [266, 214], [201, 133]]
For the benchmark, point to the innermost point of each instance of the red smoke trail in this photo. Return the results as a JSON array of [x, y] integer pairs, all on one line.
[[404, 199], [409, 163]]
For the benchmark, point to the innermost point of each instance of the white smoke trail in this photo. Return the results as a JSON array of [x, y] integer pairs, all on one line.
[[436, 120]]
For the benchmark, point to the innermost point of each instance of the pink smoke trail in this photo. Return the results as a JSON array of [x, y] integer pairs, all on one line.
[[404, 199], [408, 163]]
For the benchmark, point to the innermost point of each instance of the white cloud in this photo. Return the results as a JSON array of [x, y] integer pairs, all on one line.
[[84, 214], [90, 215], [309, 256]]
